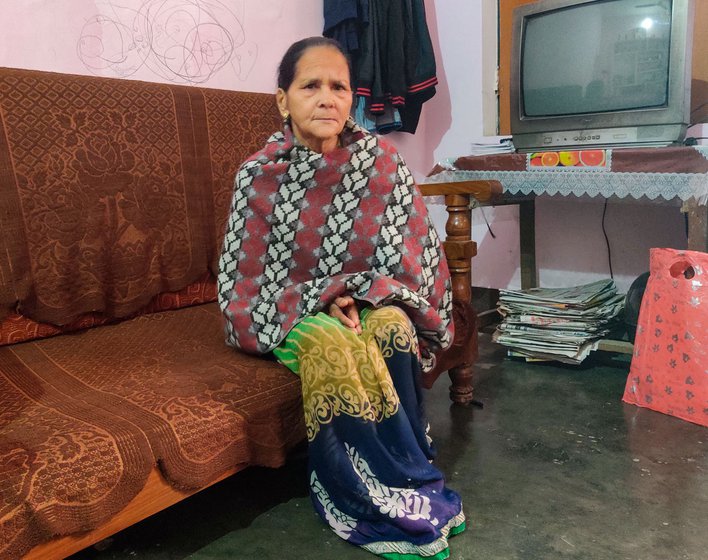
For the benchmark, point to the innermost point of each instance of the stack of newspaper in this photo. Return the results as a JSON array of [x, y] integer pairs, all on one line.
[[563, 324], [502, 146]]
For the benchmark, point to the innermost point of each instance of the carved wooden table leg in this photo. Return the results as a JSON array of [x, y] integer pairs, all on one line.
[[459, 358], [459, 250]]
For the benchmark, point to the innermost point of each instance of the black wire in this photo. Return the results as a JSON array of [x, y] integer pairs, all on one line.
[[607, 241], [489, 227]]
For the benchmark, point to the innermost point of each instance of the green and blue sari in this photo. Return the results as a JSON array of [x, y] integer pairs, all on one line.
[[371, 476]]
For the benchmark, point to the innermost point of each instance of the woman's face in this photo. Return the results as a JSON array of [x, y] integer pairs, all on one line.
[[319, 99]]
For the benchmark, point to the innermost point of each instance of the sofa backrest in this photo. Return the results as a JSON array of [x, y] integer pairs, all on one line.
[[113, 192]]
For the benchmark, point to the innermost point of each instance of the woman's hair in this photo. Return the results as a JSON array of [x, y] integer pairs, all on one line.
[[286, 70]]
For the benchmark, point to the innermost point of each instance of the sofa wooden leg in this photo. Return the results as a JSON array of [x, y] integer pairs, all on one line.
[[462, 388]]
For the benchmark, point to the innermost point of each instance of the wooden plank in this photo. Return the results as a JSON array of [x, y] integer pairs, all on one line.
[[619, 346], [482, 190], [699, 68], [506, 12], [154, 497], [460, 250], [697, 216], [527, 244]]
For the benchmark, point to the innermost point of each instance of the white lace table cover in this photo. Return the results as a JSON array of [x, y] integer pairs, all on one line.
[[590, 181]]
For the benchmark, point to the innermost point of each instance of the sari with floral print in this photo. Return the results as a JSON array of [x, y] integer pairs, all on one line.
[[370, 471]]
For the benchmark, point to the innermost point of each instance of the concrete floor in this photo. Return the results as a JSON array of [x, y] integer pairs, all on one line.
[[554, 466]]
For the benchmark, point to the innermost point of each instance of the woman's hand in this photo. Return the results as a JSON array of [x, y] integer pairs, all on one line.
[[344, 308]]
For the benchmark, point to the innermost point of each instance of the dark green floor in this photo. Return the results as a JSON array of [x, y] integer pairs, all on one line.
[[553, 466]]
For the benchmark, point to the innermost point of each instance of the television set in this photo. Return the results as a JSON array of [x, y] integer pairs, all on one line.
[[600, 73]]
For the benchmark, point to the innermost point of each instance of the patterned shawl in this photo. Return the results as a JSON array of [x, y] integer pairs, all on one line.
[[307, 227]]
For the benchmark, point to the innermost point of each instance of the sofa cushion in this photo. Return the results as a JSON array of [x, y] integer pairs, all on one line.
[[107, 188], [65, 465], [15, 328], [157, 389], [105, 216]]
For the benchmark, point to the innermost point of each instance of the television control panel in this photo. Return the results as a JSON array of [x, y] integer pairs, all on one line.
[[631, 136]]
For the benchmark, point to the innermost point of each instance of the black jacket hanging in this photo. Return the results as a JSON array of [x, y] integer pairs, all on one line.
[[392, 55]]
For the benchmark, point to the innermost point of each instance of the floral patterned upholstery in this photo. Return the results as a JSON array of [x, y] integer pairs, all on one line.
[[114, 191], [113, 200]]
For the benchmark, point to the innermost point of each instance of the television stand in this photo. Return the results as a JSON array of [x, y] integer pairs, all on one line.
[[669, 174]]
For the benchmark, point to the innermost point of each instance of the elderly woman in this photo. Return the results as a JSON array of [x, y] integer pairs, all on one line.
[[330, 263]]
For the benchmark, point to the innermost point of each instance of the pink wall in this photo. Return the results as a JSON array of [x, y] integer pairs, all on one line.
[[237, 44], [229, 44]]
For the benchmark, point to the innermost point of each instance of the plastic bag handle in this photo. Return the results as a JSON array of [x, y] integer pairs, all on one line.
[[682, 268]]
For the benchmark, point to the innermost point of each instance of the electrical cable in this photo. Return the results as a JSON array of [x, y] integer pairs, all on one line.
[[607, 240], [474, 203], [489, 227]]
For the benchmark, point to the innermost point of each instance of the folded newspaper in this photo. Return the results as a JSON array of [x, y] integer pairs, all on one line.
[[563, 324]]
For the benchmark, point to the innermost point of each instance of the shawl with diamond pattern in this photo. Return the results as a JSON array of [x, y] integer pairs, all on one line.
[[307, 227]]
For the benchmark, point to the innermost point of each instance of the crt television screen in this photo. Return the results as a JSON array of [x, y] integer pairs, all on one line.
[[596, 57]]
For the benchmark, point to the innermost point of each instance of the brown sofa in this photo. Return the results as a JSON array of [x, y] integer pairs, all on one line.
[[118, 396]]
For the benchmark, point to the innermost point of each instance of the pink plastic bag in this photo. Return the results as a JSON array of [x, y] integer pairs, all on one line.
[[669, 369]]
